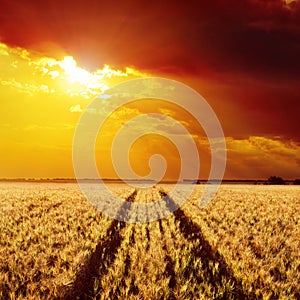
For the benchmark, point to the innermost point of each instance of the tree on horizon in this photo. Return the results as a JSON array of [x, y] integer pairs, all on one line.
[[275, 180]]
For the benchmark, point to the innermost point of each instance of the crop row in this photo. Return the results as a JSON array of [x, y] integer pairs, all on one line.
[[243, 245]]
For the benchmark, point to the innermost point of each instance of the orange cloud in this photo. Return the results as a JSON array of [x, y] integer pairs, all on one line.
[[261, 157], [43, 97], [29, 73]]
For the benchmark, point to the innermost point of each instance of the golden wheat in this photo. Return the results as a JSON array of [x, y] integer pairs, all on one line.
[[243, 245]]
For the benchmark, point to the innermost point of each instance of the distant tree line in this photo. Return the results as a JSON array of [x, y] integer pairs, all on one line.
[[280, 180], [297, 181]]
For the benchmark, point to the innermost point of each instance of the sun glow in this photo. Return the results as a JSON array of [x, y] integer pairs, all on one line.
[[79, 75], [78, 78], [82, 82], [30, 74], [75, 73]]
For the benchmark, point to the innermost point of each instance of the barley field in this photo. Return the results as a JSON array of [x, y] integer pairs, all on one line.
[[243, 245]]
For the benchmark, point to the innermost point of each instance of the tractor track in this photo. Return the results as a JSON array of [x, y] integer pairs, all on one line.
[[98, 262], [192, 232]]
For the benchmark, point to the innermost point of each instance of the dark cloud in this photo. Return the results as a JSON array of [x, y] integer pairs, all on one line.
[[235, 41], [263, 110], [260, 37]]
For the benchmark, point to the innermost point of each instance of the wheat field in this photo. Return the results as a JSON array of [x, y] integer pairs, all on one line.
[[243, 245]]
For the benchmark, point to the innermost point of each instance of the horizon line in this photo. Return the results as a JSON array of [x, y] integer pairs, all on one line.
[[133, 179]]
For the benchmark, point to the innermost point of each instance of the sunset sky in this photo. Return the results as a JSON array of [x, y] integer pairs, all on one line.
[[242, 56]]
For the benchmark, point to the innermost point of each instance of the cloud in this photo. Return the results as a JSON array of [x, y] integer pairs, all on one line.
[[75, 108], [220, 40], [246, 54], [260, 157], [30, 73], [261, 37]]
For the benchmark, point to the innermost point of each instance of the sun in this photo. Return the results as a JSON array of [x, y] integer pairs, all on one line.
[[77, 81], [74, 73]]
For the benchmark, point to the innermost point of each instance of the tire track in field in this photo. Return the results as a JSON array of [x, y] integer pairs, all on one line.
[[169, 271], [192, 232], [99, 260]]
